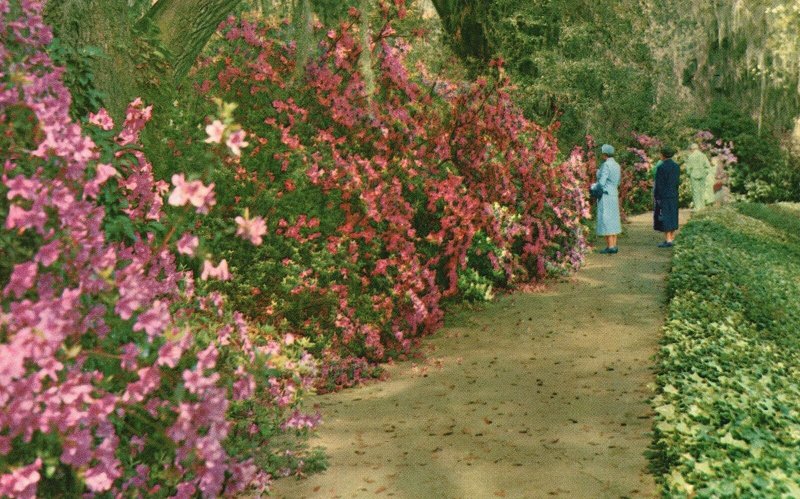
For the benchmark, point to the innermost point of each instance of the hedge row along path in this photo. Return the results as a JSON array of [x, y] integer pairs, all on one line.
[[541, 394]]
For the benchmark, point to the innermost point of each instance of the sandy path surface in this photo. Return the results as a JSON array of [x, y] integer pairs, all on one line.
[[538, 395]]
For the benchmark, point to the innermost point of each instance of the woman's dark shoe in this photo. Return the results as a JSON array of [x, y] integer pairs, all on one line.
[[666, 244], [609, 251]]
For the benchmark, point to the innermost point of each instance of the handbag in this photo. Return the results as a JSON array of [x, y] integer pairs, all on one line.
[[659, 211], [596, 190]]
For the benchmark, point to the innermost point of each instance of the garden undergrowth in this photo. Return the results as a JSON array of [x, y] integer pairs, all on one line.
[[728, 403]]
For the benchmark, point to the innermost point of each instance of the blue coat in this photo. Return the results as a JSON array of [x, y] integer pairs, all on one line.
[[608, 221], [665, 194]]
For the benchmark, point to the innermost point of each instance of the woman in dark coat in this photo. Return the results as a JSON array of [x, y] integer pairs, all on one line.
[[665, 193]]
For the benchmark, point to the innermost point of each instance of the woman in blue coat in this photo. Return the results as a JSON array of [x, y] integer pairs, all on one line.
[[608, 221], [665, 194]]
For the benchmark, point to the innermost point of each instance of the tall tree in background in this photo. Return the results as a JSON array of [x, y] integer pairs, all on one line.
[[465, 22], [147, 50], [581, 62]]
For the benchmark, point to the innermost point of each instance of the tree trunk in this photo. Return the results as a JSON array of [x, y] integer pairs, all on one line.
[[463, 21], [105, 24], [185, 27], [303, 21], [130, 66], [365, 60]]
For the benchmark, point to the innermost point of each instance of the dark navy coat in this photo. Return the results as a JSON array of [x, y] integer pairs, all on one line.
[[665, 193]]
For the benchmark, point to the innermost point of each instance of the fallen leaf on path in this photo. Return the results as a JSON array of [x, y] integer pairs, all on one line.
[[380, 489], [500, 493]]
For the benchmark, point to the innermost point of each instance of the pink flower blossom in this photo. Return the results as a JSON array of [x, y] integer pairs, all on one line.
[[104, 172], [130, 352], [188, 244], [215, 131], [101, 119], [196, 382], [149, 380], [170, 353], [19, 218], [219, 272], [98, 479], [251, 228], [154, 320], [236, 142], [77, 448], [48, 253], [245, 385], [22, 278], [195, 193], [22, 481]]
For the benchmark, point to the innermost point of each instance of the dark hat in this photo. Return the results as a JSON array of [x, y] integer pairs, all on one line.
[[668, 151]]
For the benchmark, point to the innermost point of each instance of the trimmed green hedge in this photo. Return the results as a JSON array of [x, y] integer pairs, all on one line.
[[728, 403]]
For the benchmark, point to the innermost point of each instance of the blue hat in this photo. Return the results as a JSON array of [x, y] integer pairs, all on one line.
[[607, 149]]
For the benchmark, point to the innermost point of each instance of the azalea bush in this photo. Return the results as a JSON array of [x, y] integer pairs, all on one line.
[[636, 184], [381, 204], [728, 400], [120, 372]]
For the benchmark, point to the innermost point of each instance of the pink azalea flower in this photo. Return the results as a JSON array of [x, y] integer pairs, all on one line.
[[214, 132], [245, 385], [101, 119], [19, 218], [170, 353], [251, 228], [22, 481], [207, 358], [149, 380], [48, 253], [22, 278], [97, 479], [219, 272], [195, 382], [236, 142], [104, 172], [77, 448], [129, 354], [188, 244], [153, 321], [23, 187], [194, 192]]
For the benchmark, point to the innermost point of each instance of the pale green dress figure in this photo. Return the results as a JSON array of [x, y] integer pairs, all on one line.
[[711, 197], [701, 175]]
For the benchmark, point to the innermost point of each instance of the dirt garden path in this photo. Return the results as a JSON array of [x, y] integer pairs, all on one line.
[[539, 395]]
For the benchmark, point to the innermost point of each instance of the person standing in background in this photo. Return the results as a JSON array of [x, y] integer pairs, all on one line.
[[609, 224], [702, 176], [665, 195]]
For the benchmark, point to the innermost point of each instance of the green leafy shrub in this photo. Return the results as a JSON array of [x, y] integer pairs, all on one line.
[[728, 405]]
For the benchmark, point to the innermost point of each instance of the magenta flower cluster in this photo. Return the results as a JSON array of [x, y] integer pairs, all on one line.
[[113, 368], [379, 201]]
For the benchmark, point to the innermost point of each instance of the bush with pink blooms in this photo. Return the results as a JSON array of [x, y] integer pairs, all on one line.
[[377, 208], [339, 218], [119, 373]]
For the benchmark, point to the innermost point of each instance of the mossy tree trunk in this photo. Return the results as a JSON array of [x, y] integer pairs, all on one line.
[[132, 64], [185, 27], [107, 25], [464, 23]]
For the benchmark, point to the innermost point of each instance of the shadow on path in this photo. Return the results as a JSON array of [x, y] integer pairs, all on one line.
[[540, 395]]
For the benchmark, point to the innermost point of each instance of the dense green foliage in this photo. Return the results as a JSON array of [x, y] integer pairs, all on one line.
[[729, 406]]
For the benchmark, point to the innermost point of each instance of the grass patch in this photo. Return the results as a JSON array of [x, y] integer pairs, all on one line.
[[728, 407]]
